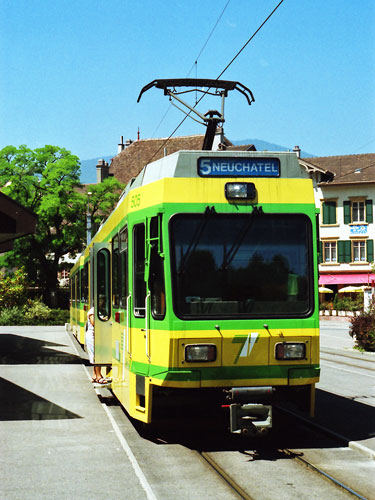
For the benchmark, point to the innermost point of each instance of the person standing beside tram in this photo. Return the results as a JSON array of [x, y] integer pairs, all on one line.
[[90, 346]]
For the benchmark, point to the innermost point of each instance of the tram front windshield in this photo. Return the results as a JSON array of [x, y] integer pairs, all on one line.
[[241, 265]]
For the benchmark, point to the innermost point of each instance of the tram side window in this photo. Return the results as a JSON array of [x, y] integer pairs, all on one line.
[[71, 290], [123, 267], [85, 283], [156, 282], [115, 272], [139, 270], [76, 284], [103, 285]]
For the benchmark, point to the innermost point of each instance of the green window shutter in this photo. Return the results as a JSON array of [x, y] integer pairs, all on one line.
[[329, 212], [340, 252], [320, 254], [348, 251], [347, 218], [344, 251], [369, 217], [370, 250]]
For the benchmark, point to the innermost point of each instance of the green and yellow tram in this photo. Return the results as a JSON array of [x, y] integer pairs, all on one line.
[[204, 285]]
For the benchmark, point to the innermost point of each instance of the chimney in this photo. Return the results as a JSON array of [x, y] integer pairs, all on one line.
[[219, 138], [102, 171], [297, 150], [121, 146]]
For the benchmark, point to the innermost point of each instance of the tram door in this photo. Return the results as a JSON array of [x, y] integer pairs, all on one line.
[[148, 295], [100, 261]]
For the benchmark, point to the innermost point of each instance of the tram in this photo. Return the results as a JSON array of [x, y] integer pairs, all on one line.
[[204, 283]]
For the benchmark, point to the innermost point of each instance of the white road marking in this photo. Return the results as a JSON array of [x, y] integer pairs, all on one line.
[[137, 469], [344, 370]]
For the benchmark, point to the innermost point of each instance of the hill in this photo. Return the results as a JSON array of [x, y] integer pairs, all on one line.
[[88, 169], [268, 146]]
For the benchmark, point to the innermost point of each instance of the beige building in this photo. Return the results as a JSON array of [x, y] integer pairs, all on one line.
[[345, 193]]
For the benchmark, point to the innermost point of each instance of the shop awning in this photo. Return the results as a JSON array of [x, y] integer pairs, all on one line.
[[347, 279]]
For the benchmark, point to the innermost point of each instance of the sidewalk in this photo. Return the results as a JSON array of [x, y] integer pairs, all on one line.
[[340, 348], [56, 440], [363, 426]]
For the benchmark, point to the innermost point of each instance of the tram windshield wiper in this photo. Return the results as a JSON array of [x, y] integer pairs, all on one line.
[[229, 256], [196, 238]]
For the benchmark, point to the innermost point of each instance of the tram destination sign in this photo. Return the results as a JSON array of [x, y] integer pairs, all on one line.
[[221, 166]]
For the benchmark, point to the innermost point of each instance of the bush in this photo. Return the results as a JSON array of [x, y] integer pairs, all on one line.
[[13, 289], [348, 304], [12, 316], [59, 317], [363, 330], [325, 306], [34, 312]]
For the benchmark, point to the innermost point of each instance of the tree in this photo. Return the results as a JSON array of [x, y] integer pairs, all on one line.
[[46, 180], [101, 199]]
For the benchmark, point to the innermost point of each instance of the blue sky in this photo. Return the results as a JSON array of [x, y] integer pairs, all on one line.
[[71, 71]]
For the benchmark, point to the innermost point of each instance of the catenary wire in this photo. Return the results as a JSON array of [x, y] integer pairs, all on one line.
[[224, 70], [195, 62]]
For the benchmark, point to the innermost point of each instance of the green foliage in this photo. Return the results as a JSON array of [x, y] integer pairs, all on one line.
[[46, 180], [102, 199], [347, 303], [325, 306], [363, 330], [34, 312], [13, 289]]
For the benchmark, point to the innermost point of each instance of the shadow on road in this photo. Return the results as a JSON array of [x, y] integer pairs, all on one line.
[[206, 432], [19, 404], [16, 349]]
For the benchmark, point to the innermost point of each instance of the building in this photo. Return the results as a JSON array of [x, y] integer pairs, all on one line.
[[15, 221], [134, 155], [345, 193]]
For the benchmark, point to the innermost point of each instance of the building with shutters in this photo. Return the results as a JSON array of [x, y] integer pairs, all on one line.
[[345, 194]]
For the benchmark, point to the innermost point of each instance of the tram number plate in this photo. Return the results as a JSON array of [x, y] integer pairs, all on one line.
[[135, 201]]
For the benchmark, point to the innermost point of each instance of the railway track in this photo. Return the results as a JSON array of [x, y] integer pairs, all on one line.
[[253, 469], [241, 490], [242, 486]]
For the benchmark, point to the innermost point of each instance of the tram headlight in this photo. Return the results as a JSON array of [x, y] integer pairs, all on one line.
[[240, 191], [290, 350], [198, 353]]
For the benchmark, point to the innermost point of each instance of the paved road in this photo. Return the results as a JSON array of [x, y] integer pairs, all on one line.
[[57, 441], [346, 391]]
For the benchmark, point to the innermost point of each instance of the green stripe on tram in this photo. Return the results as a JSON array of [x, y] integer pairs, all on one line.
[[225, 372]]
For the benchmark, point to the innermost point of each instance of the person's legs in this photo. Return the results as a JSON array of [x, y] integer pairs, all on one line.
[[97, 373]]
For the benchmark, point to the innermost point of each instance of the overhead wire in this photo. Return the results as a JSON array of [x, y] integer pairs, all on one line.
[[217, 78], [195, 62]]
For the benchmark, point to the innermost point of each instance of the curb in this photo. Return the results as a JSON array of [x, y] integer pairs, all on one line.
[[353, 445], [352, 353]]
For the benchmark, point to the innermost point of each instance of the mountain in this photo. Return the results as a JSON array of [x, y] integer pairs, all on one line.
[[268, 146], [88, 169]]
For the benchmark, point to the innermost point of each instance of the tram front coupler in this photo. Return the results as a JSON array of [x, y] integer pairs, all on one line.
[[250, 410]]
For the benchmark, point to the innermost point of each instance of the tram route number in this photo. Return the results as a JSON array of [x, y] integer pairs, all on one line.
[[135, 201]]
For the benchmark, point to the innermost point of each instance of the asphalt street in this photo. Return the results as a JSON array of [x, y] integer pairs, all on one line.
[[59, 441]]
